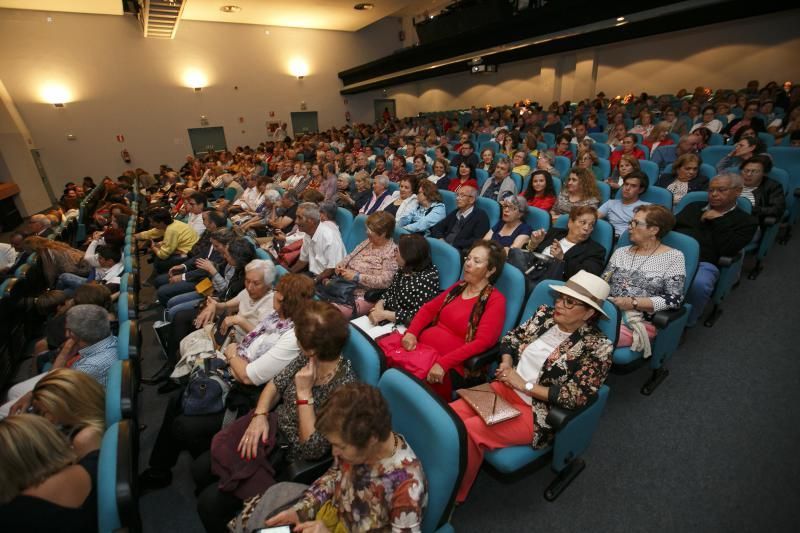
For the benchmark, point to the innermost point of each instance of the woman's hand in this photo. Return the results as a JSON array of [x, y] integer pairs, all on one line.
[[504, 366], [289, 516], [409, 341], [325, 274], [312, 527], [346, 273], [305, 378], [435, 374], [624, 303], [257, 430], [230, 351], [556, 251], [206, 316], [510, 378], [613, 183], [208, 266], [230, 321], [537, 237]]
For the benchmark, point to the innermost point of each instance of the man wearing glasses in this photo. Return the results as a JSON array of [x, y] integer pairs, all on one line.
[[721, 229]]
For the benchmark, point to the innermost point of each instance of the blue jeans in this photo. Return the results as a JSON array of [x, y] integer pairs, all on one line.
[[181, 302], [170, 290], [69, 282], [701, 290]]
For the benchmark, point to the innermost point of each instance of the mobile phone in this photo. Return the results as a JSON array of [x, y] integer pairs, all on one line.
[[276, 529]]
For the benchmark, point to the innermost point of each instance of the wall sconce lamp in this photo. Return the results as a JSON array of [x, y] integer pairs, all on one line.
[[298, 68], [195, 80], [55, 94]]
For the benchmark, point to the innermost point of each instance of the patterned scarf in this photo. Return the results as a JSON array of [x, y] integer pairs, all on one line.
[[477, 310]]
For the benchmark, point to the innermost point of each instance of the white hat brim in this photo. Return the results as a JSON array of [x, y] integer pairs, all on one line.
[[563, 289]]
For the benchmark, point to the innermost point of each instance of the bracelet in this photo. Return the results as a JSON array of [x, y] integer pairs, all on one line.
[[255, 414]]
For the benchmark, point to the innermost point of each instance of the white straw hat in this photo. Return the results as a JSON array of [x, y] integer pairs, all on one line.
[[588, 288]]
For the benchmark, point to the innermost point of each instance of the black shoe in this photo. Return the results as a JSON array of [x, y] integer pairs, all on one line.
[[169, 386], [153, 479], [161, 330], [162, 375]]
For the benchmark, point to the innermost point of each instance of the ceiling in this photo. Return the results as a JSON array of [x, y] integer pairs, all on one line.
[[316, 14]]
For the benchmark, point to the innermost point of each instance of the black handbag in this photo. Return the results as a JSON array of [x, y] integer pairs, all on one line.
[[337, 290], [208, 388], [535, 266]]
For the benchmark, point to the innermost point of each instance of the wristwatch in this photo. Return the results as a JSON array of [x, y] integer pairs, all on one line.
[[310, 401], [529, 387]]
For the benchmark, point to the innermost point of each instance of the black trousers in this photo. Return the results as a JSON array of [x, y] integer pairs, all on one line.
[[163, 265], [181, 432], [216, 508], [182, 324]]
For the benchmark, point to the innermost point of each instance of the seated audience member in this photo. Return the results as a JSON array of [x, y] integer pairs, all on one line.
[[89, 348], [380, 167], [487, 161], [360, 198], [580, 190], [242, 450], [13, 255], [381, 196], [562, 252], [466, 154], [419, 170], [430, 210], [519, 164], [546, 162], [628, 148], [415, 282], [511, 231], [406, 201], [398, 169], [667, 155], [439, 177], [645, 124], [283, 213], [645, 277], [40, 226], [107, 267], [616, 135], [178, 239], [465, 225], [272, 343], [56, 258], [557, 357], [745, 148], [464, 320], [619, 212], [562, 146], [251, 197], [721, 229], [749, 119], [46, 485], [685, 178], [233, 191], [377, 484], [465, 177], [766, 195], [371, 265], [195, 205], [323, 247], [74, 401], [499, 185], [541, 192], [658, 137], [709, 121], [587, 159]]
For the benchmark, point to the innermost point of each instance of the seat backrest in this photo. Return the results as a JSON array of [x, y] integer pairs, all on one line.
[[601, 149], [711, 155], [605, 191], [512, 284], [707, 170], [447, 260], [116, 506], [690, 198], [491, 208], [394, 187], [280, 272], [543, 295], [517, 182], [357, 234], [123, 340], [537, 218], [344, 219], [481, 176], [599, 137], [787, 158], [549, 138], [436, 435], [686, 244], [651, 169], [562, 164], [767, 138], [114, 394], [602, 169], [658, 196], [365, 358], [449, 200], [602, 234], [490, 144], [716, 140]]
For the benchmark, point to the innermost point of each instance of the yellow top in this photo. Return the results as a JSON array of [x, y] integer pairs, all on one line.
[[178, 238]]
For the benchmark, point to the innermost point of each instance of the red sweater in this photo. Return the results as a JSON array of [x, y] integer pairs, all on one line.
[[456, 184], [616, 155], [449, 334]]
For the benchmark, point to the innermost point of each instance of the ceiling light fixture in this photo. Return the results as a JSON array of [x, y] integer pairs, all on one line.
[[363, 7], [230, 9]]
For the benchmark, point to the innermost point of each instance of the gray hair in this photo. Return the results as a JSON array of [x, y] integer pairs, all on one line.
[[362, 174], [736, 179], [41, 219], [271, 196], [548, 156], [469, 189], [383, 179], [310, 210], [88, 322], [266, 266], [517, 202], [328, 209]]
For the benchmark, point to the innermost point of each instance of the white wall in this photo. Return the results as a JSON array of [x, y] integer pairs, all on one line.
[[126, 84], [721, 55]]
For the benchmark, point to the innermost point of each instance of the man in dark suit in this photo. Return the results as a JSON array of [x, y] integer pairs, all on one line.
[[721, 229], [466, 224]]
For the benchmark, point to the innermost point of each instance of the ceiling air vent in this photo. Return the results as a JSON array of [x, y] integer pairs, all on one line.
[[160, 18]]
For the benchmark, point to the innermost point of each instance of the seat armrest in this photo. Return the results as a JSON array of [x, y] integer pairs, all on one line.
[[726, 261], [302, 471], [559, 417], [482, 359], [770, 221], [662, 319]]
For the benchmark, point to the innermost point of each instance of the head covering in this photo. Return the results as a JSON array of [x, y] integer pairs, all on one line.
[[588, 288]]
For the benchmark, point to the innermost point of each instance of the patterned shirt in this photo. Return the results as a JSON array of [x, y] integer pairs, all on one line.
[[409, 291], [390, 495], [95, 360], [564, 205], [658, 277]]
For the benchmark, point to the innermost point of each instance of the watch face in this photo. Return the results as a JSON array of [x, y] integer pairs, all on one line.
[[529, 386]]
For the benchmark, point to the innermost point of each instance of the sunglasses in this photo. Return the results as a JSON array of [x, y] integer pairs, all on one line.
[[569, 302]]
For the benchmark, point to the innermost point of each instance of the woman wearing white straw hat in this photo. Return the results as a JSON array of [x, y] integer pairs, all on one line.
[[557, 357]]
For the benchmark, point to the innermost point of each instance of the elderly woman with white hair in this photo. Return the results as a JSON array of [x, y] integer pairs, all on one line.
[[511, 231], [381, 196]]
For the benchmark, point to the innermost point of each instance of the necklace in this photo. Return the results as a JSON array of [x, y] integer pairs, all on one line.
[[327, 377]]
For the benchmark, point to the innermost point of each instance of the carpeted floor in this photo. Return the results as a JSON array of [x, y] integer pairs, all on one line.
[[713, 449]]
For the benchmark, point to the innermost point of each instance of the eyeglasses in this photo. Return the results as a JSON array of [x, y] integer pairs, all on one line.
[[637, 224], [569, 302]]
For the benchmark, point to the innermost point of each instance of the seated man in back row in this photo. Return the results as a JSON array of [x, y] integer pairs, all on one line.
[[466, 224], [619, 212], [721, 229], [178, 239]]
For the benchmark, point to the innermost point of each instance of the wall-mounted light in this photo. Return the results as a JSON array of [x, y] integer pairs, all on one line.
[[195, 79], [298, 68], [56, 94]]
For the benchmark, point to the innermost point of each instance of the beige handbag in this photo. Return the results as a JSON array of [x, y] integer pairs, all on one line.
[[490, 407]]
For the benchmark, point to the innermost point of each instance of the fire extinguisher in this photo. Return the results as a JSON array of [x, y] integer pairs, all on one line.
[[347, 116], [126, 156]]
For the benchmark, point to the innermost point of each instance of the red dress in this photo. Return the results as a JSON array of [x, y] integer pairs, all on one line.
[[616, 155], [457, 184], [544, 202], [449, 334]]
